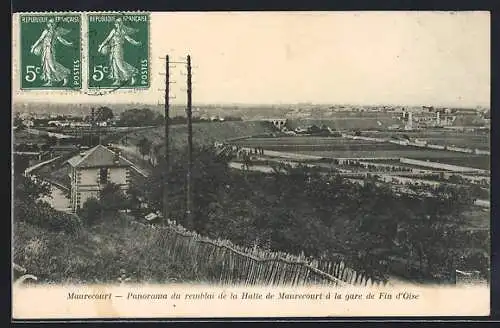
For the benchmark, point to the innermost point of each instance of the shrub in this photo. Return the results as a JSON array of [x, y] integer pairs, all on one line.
[[41, 214], [90, 211], [112, 198], [64, 222]]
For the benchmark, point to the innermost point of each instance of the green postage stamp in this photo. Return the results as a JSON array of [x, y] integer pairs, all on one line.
[[118, 50], [50, 51]]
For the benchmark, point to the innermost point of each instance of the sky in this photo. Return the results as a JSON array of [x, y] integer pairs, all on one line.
[[399, 58]]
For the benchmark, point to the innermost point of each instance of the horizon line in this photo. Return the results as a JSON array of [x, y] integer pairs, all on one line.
[[253, 104]]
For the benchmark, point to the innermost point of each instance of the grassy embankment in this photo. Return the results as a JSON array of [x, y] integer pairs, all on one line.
[[203, 134], [97, 254]]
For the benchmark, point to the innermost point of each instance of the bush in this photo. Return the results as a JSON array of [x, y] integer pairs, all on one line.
[[112, 198], [41, 214], [64, 222], [90, 211]]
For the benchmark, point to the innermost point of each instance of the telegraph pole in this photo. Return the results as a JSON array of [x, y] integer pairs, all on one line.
[[99, 111], [189, 219], [92, 128], [166, 166], [167, 149]]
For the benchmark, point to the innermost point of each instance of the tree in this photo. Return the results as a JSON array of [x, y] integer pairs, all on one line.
[[247, 161], [210, 173], [134, 197], [144, 146], [112, 198], [30, 208], [110, 201], [432, 228], [455, 179], [104, 114], [314, 129], [157, 153], [21, 163], [91, 211], [140, 117], [17, 121], [52, 141], [29, 190]]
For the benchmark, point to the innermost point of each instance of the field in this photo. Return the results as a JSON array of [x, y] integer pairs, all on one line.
[[22, 136], [348, 122], [452, 158], [479, 140], [310, 142], [347, 148], [476, 161]]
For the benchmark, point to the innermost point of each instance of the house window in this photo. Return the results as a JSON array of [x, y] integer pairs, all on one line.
[[103, 175]]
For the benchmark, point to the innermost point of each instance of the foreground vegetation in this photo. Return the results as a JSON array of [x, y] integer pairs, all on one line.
[[301, 210], [98, 246], [97, 254], [295, 210]]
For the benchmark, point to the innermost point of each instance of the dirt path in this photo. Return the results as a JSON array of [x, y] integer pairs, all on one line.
[[58, 200]]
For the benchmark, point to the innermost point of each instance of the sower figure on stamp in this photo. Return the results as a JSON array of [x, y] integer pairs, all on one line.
[[52, 71], [120, 70]]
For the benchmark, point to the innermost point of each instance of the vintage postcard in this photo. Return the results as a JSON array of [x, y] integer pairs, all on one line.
[[250, 164]]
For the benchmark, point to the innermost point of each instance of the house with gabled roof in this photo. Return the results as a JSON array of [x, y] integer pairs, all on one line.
[[92, 170]]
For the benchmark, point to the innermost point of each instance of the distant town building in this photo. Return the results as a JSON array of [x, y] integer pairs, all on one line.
[[28, 123], [409, 123], [92, 170], [80, 125], [279, 123]]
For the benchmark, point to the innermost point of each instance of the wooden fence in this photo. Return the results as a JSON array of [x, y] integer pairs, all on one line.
[[221, 262]]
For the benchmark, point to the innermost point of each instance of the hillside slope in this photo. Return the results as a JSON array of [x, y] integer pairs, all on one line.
[[97, 254], [203, 133]]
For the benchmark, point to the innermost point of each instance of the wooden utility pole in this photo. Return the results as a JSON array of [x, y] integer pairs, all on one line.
[[99, 126], [167, 149], [92, 128], [189, 219]]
